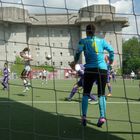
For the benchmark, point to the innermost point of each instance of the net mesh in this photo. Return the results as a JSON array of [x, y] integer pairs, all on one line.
[[54, 28]]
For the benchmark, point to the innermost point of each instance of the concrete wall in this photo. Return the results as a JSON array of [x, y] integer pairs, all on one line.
[[58, 41], [46, 34], [12, 41], [96, 10]]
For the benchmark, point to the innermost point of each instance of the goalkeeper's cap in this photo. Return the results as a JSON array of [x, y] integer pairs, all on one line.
[[90, 29], [77, 67], [26, 49]]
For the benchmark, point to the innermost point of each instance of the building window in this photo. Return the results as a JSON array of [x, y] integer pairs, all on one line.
[[61, 32], [61, 53], [37, 48], [53, 53], [37, 54], [61, 63], [61, 44], [14, 44], [13, 34], [69, 34], [53, 33], [38, 63], [53, 44], [53, 63], [46, 53]]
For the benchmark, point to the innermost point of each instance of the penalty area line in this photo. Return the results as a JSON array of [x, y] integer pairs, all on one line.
[[65, 102]]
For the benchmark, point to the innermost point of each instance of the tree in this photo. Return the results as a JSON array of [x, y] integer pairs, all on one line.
[[131, 55]]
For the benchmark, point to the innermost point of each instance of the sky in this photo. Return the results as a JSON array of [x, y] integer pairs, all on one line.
[[126, 8]]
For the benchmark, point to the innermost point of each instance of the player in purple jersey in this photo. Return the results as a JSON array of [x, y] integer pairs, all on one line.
[[79, 68], [5, 77], [108, 76]]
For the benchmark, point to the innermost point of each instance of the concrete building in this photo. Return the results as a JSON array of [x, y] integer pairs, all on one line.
[[56, 34]]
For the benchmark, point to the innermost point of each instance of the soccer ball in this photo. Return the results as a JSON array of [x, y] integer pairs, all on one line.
[[48, 57]]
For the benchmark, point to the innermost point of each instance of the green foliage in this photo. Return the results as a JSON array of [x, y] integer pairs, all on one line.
[[46, 67], [18, 66], [119, 71], [131, 55], [0, 72]]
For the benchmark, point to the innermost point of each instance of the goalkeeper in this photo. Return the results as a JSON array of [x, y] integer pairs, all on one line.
[[95, 70]]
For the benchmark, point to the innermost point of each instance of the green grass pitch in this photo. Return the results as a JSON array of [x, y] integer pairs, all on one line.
[[43, 114]]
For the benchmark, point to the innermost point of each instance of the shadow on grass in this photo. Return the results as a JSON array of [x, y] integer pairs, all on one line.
[[24, 122], [125, 98]]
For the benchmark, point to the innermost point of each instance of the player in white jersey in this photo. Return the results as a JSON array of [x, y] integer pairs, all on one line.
[[27, 69], [44, 77]]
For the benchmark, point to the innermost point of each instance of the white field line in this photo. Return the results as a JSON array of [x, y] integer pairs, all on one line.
[[65, 102], [127, 86]]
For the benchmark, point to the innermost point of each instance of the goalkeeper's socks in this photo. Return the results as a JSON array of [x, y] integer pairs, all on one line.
[[84, 105], [102, 106]]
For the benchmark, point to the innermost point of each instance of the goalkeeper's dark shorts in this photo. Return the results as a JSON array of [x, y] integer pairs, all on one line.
[[90, 76]]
